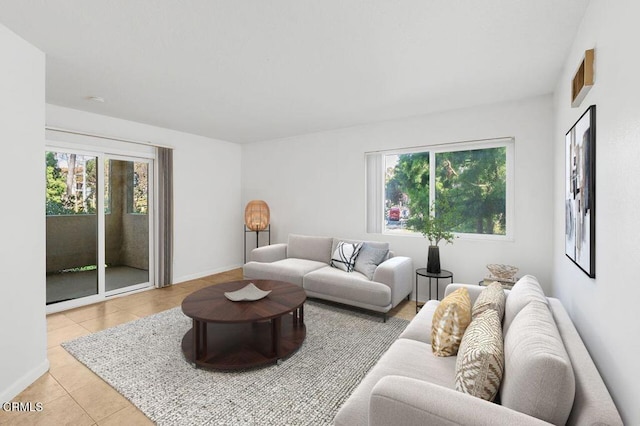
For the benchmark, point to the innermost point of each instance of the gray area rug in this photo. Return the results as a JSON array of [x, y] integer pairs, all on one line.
[[143, 361]]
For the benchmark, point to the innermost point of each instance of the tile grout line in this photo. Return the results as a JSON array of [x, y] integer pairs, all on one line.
[[70, 396], [81, 407]]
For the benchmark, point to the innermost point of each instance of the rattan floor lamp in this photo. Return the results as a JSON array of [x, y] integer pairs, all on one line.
[[256, 219]]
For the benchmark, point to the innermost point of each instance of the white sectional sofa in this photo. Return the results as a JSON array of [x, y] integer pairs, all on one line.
[[306, 261], [549, 377]]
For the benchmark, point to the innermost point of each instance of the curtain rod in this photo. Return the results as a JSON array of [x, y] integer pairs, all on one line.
[[95, 135]]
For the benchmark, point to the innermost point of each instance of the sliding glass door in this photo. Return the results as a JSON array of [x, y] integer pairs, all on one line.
[[126, 223], [98, 219], [72, 226]]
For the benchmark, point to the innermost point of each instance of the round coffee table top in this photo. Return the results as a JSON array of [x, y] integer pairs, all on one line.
[[211, 305]]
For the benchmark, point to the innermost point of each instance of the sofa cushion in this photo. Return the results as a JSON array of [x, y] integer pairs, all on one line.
[[419, 328], [344, 256], [288, 270], [310, 248], [369, 258], [538, 377], [524, 291], [450, 320], [492, 297], [353, 286], [480, 360], [406, 358]]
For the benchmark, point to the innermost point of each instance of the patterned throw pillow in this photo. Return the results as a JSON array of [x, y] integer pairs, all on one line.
[[344, 257], [450, 320], [480, 361], [492, 297]]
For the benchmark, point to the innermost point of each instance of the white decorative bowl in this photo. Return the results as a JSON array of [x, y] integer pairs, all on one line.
[[506, 272], [248, 293]]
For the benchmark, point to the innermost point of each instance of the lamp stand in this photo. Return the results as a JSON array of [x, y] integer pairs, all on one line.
[[246, 230]]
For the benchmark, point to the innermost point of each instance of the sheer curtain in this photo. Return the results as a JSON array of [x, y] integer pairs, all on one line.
[[165, 217]]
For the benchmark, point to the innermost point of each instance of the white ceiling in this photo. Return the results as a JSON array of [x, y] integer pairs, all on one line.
[[251, 70]]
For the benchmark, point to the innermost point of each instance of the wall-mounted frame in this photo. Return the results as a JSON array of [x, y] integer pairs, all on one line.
[[580, 194], [583, 79]]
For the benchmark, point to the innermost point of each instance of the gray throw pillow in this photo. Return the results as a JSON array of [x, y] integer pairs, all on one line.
[[369, 259]]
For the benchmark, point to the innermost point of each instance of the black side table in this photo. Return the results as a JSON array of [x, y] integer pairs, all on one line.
[[422, 272]]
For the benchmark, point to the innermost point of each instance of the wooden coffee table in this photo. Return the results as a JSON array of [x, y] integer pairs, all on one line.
[[230, 335]]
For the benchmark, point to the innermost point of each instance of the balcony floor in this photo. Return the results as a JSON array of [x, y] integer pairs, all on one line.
[[73, 285]]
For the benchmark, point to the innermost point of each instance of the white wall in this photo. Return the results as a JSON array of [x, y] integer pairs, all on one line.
[[315, 184], [23, 338], [208, 225], [605, 309]]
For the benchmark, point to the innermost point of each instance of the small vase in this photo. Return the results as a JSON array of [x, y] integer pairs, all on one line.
[[433, 260]]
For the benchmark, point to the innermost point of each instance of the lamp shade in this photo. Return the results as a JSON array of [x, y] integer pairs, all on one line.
[[256, 215]]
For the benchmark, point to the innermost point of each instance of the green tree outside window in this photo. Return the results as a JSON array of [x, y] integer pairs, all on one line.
[[470, 190]]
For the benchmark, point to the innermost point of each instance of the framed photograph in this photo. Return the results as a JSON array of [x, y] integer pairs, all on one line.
[[580, 194]]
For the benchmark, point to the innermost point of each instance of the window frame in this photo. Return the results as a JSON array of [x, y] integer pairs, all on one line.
[[376, 196]]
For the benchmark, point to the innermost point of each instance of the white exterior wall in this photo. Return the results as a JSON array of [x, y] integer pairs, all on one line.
[[604, 309], [315, 184], [23, 331]]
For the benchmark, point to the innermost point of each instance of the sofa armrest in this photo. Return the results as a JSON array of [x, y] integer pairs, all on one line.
[[406, 401], [474, 290], [270, 253], [397, 273]]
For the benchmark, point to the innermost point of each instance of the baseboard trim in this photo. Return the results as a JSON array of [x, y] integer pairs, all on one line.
[[24, 382], [190, 277]]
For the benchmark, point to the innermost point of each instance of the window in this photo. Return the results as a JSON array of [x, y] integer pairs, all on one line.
[[468, 182], [137, 188], [71, 184]]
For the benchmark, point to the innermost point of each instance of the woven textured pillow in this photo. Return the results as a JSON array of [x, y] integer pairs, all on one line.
[[480, 362], [344, 257], [492, 297], [450, 320]]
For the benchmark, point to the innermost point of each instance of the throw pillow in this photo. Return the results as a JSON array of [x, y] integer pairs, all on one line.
[[480, 361], [369, 259], [344, 257], [492, 297], [450, 320]]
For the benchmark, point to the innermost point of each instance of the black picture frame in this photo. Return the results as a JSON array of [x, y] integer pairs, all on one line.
[[580, 192]]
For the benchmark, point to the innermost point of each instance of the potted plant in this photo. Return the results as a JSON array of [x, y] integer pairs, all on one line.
[[435, 228]]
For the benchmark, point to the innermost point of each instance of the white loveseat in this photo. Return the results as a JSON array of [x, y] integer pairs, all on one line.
[[306, 261], [548, 377]]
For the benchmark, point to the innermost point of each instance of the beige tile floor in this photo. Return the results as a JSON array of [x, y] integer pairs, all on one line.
[[72, 394]]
